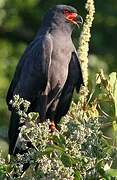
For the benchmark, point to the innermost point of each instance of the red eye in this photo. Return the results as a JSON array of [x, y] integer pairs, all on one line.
[[66, 12]]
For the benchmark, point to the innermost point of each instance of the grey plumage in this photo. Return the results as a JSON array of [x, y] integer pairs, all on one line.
[[48, 71]]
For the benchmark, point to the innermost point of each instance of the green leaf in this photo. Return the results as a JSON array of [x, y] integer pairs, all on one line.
[[56, 139], [112, 172], [52, 148], [113, 83], [115, 98], [66, 160], [77, 175], [58, 148], [60, 141], [112, 79], [114, 126]]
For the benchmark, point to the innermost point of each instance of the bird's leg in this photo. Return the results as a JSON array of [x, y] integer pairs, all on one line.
[[41, 107], [52, 126]]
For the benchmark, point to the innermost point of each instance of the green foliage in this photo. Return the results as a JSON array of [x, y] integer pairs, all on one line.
[[112, 173], [78, 150], [113, 83], [19, 22]]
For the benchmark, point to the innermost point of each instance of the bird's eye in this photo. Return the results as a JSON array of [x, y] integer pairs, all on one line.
[[66, 12]]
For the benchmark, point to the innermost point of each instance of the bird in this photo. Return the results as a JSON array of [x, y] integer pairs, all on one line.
[[48, 71]]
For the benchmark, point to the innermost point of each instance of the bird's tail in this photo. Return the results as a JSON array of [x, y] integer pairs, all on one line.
[[13, 132]]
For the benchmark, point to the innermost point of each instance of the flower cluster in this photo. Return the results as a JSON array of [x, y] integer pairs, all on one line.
[[77, 150], [85, 38]]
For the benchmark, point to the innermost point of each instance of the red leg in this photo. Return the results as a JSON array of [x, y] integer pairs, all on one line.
[[52, 126]]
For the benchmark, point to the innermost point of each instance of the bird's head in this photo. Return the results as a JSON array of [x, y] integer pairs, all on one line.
[[64, 15], [71, 15]]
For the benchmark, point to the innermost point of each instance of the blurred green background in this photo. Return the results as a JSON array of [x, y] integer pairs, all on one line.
[[21, 19]]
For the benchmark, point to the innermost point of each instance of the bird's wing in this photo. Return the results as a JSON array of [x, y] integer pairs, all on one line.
[[32, 71], [75, 72], [14, 81]]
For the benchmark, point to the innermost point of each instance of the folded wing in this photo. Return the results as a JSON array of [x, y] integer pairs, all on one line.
[[31, 74]]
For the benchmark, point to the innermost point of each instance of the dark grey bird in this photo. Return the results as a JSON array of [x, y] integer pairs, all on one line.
[[49, 70]]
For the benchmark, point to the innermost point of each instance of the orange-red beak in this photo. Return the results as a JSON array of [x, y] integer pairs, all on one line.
[[74, 18]]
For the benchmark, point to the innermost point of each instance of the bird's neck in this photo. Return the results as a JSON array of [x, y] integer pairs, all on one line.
[[64, 28], [57, 26]]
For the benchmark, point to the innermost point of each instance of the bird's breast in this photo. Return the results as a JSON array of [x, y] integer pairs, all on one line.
[[60, 59], [59, 68]]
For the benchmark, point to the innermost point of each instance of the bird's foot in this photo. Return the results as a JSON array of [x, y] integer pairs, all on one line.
[[52, 127]]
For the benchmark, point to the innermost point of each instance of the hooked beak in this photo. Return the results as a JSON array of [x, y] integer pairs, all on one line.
[[79, 20], [75, 19]]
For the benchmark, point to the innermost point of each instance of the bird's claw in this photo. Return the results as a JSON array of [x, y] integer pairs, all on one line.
[[52, 127]]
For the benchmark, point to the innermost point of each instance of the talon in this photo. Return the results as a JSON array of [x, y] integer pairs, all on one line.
[[52, 127]]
